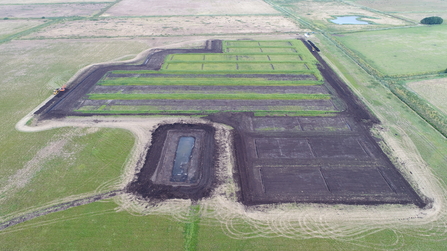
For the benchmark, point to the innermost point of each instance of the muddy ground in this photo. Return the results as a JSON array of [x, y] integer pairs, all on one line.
[[278, 159]]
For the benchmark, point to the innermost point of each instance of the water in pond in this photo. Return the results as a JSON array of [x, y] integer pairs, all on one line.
[[182, 159], [348, 20]]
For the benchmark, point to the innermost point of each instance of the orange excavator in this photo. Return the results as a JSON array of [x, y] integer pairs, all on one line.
[[57, 90]]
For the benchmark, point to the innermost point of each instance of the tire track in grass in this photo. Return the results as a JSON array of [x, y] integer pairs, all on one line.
[[57, 208], [191, 229]]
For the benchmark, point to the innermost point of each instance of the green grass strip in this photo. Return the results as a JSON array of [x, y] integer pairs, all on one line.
[[199, 96], [191, 229], [206, 82]]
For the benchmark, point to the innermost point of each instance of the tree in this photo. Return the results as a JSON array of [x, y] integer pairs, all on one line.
[[432, 20]]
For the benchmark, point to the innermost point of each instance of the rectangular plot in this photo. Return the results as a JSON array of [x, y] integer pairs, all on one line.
[[293, 180], [277, 124], [282, 148], [220, 57], [324, 124], [355, 180], [219, 66], [184, 66], [252, 58], [286, 57], [255, 67], [242, 43], [275, 43], [286, 66], [278, 50], [338, 147], [185, 57], [244, 50]]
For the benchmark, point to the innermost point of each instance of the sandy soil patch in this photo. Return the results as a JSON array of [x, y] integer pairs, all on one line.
[[189, 7], [168, 26], [433, 91], [322, 11], [57, 10], [9, 27]]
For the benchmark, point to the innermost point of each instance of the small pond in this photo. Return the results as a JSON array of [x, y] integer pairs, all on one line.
[[182, 159], [348, 20]]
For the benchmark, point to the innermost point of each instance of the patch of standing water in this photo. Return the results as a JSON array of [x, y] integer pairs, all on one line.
[[348, 20], [182, 159]]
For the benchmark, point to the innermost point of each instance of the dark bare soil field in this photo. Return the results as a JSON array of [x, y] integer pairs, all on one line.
[[320, 159]]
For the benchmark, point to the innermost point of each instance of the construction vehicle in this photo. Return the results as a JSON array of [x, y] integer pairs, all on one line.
[[57, 90]]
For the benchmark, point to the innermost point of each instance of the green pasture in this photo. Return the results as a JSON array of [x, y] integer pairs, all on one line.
[[95, 161], [433, 91], [401, 52], [95, 226], [43, 168], [403, 124]]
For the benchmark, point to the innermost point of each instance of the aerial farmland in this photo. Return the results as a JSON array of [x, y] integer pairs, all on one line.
[[236, 125]]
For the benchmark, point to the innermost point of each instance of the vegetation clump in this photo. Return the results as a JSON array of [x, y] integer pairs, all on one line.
[[432, 20]]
